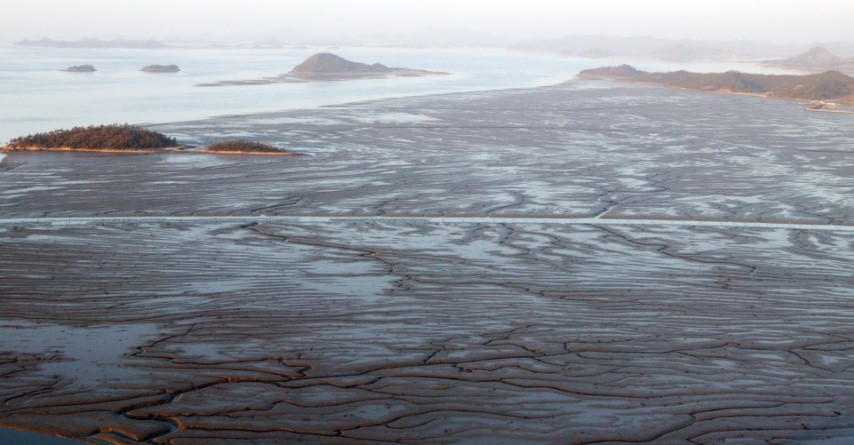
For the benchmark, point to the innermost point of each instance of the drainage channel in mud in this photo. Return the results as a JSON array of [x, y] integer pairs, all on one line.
[[77, 221]]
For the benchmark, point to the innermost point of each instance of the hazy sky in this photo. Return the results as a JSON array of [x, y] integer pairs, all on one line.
[[786, 21]]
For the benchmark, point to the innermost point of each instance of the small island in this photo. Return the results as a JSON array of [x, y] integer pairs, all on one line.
[[126, 138], [830, 86], [328, 64], [161, 69], [330, 67], [245, 147], [80, 69]]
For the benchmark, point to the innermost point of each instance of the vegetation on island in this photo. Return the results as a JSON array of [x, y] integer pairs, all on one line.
[[101, 137], [80, 69], [830, 85], [244, 146]]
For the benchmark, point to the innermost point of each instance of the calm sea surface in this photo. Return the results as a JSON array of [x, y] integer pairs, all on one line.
[[36, 96]]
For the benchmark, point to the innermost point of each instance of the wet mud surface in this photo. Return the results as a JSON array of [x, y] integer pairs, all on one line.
[[582, 149], [427, 333], [393, 331]]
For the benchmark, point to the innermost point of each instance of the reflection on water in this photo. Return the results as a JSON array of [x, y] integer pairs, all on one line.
[[193, 159], [18, 437]]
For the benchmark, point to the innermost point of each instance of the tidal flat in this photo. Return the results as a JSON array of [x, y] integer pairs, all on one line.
[[262, 332]]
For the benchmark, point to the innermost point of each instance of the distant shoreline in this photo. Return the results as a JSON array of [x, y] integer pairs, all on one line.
[[815, 90], [825, 110], [84, 150], [679, 88]]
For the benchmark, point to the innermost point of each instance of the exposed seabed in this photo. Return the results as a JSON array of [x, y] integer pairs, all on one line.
[[562, 265]]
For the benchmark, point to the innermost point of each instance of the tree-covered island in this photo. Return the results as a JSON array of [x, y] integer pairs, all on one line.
[[128, 138], [101, 137]]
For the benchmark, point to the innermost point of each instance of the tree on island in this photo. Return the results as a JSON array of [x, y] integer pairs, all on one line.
[[101, 137]]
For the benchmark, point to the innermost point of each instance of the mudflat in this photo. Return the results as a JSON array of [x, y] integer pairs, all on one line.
[[360, 331]]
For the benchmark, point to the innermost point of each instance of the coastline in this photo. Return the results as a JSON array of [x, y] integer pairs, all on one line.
[[4, 151], [330, 77], [825, 110], [8, 150]]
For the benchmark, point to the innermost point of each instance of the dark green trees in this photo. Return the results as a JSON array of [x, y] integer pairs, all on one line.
[[117, 137]]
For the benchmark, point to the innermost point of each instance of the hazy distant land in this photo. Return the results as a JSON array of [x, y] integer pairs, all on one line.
[[828, 86], [675, 49], [330, 67], [681, 52], [93, 43]]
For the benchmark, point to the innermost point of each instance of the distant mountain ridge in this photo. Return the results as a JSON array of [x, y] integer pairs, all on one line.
[[816, 59], [828, 86], [685, 52], [656, 46], [93, 43]]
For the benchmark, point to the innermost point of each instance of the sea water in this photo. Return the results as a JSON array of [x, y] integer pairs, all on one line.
[[35, 95]]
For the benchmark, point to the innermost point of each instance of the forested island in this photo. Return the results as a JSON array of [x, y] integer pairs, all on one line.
[[128, 138], [94, 138], [330, 67], [828, 86]]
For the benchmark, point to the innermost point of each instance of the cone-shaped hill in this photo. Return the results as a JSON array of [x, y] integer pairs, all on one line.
[[328, 63], [328, 66]]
